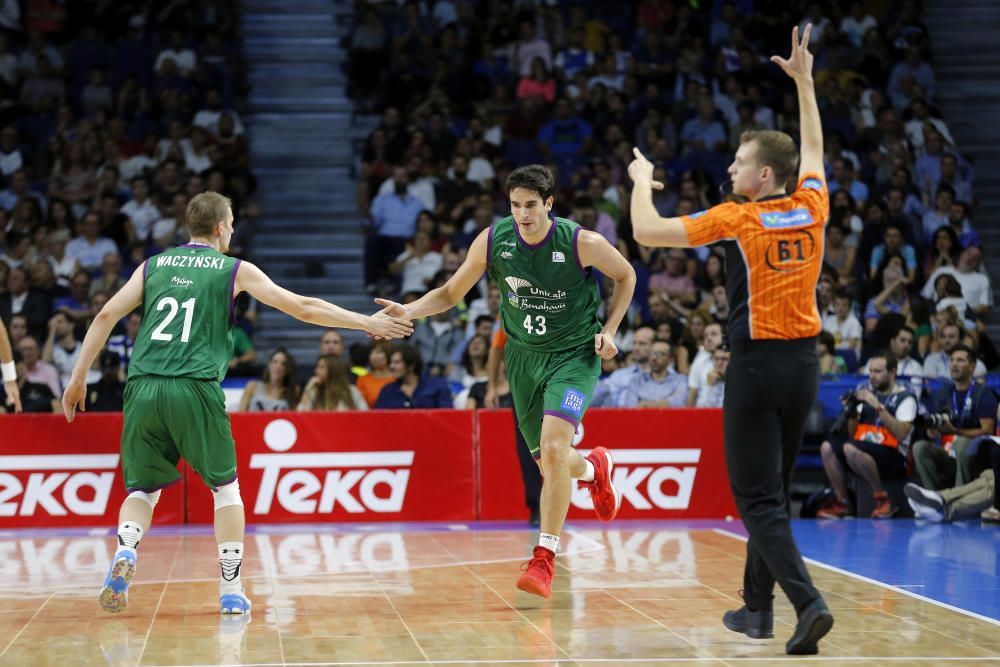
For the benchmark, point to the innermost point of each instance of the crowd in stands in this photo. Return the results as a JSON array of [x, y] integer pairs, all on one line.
[[112, 116]]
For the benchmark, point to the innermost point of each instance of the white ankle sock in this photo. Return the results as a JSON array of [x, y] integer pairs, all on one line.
[[550, 542], [129, 534], [231, 559], [588, 474]]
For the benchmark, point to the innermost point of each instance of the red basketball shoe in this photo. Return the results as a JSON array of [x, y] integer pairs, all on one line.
[[538, 573], [605, 496]]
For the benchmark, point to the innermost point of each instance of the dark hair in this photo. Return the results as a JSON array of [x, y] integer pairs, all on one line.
[[827, 340], [944, 187], [534, 177], [962, 347], [411, 357], [952, 288], [950, 232], [905, 327], [890, 359], [485, 318], [467, 356], [289, 385], [358, 353], [337, 387]]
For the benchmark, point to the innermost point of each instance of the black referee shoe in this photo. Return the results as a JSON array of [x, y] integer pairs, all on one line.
[[814, 622], [754, 624]]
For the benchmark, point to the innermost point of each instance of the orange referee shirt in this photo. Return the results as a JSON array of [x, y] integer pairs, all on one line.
[[774, 253]]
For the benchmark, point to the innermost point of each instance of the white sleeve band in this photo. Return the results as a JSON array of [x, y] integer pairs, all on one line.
[[9, 371]]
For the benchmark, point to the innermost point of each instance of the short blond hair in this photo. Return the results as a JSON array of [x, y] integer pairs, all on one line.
[[775, 150], [204, 212]]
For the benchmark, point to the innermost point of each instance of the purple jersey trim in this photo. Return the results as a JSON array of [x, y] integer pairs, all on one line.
[[232, 286], [556, 413], [153, 489], [489, 247], [536, 246], [195, 245], [145, 270], [576, 251]]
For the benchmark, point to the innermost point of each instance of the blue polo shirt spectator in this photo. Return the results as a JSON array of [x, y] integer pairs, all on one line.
[[661, 386], [413, 387]]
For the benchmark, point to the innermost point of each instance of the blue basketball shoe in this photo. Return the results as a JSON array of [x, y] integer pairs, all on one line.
[[114, 595]]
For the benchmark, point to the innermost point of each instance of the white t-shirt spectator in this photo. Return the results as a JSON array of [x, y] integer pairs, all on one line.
[[417, 272], [855, 30], [90, 255], [185, 60], [209, 121], [908, 370], [135, 166], [975, 286], [844, 331], [11, 162], [142, 216], [699, 370]]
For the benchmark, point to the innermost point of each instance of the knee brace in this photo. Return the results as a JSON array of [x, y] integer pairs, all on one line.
[[227, 495], [149, 498]]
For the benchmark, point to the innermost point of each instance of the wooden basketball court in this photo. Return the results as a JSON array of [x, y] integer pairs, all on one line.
[[634, 594]]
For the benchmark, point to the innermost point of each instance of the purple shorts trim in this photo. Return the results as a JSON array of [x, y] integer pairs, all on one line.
[[561, 415], [226, 483], [133, 489]]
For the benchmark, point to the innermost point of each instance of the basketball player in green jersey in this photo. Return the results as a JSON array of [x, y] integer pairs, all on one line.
[[174, 407], [544, 267]]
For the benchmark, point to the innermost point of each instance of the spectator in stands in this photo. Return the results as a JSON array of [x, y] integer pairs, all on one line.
[[43, 280], [17, 249], [843, 178], [417, 265], [830, 363], [35, 397], [141, 211], [661, 386], [909, 371], [122, 344], [35, 369], [938, 364], [894, 243], [21, 299], [472, 368], [938, 216], [838, 255], [539, 83], [878, 446], [18, 188], [330, 387], [183, 57], [523, 52], [242, 363], [610, 390], [77, 303], [970, 410], [892, 298], [378, 375], [393, 220], [278, 387], [703, 362], [976, 287], [17, 329], [107, 394], [913, 66], [331, 342], [413, 387], [111, 279], [436, 338], [943, 251], [90, 247], [210, 117], [565, 140], [713, 392], [62, 348], [844, 325]]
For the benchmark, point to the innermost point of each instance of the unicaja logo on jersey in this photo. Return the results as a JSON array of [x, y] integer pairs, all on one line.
[[319, 483], [181, 282]]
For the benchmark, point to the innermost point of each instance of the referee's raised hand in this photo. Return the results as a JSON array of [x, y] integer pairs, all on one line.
[[799, 64]]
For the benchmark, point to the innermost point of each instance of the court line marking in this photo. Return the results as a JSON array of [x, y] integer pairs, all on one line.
[[159, 602], [25, 626], [868, 580]]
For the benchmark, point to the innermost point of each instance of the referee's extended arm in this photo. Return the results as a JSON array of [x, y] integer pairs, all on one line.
[[799, 67]]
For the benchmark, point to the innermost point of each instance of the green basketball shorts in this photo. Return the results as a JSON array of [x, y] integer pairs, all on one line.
[[560, 384], [167, 419]]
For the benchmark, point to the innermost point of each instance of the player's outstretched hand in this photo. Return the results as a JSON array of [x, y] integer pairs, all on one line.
[[604, 346], [800, 63], [384, 326], [75, 396], [642, 169], [392, 308]]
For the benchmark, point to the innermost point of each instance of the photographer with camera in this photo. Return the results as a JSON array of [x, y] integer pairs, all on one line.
[[961, 410], [879, 418]]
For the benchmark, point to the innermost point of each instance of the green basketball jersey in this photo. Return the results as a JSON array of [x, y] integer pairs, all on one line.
[[549, 301], [188, 312]]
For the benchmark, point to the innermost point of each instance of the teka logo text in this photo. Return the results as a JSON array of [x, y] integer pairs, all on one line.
[[640, 476], [319, 483], [57, 485]]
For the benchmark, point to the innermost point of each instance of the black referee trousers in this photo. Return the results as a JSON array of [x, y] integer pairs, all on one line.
[[771, 386]]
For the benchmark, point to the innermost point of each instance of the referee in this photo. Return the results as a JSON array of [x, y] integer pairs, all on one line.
[[774, 252]]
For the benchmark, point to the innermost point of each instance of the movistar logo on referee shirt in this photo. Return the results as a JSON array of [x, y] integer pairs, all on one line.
[[797, 217]]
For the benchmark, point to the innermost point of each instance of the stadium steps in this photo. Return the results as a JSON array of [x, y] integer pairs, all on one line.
[[967, 74], [302, 130]]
